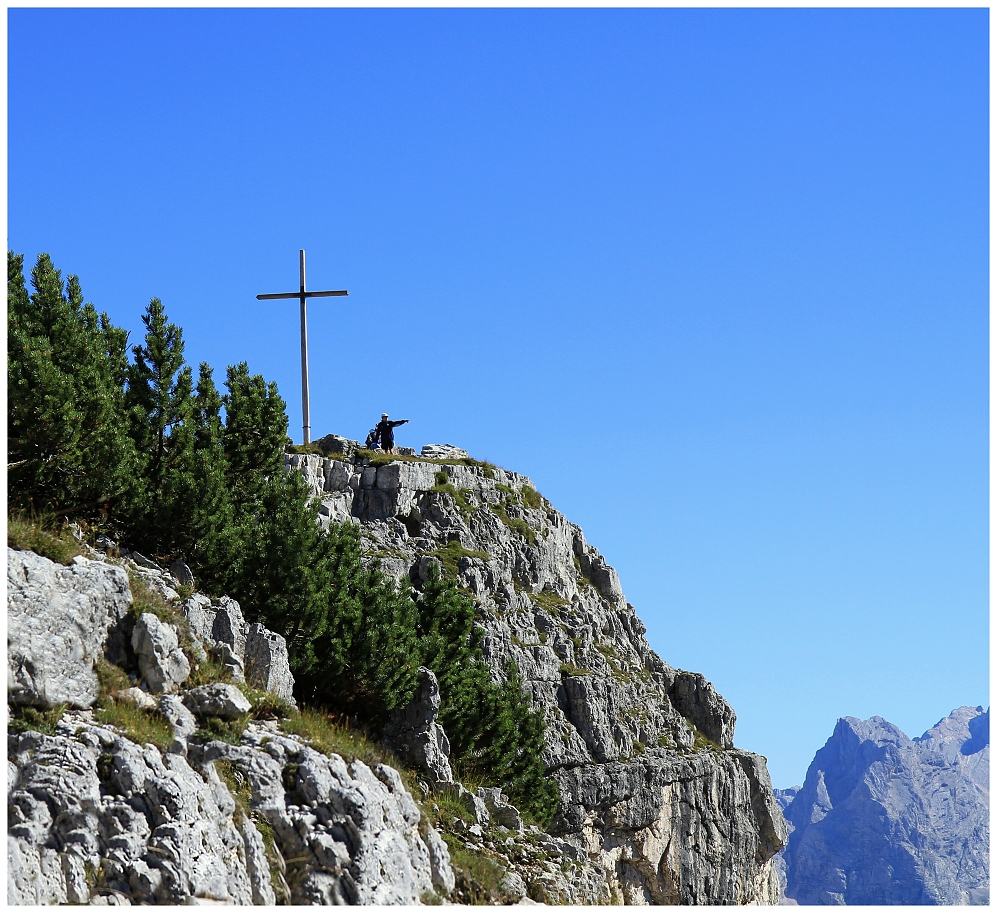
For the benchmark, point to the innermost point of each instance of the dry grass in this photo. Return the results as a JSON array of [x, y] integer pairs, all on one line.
[[141, 726], [330, 735], [43, 537]]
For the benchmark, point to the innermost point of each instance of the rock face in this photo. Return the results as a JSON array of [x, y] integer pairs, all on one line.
[[96, 818], [251, 652], [414, 733], [59, 620], [884, 819], [653, 790]]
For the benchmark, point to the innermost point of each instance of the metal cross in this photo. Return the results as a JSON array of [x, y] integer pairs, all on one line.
[[301, 295]]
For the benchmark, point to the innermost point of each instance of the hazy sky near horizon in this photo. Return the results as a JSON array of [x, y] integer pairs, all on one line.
[[716, 280]]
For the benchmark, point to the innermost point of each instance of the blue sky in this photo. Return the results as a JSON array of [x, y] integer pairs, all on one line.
[[716, 280]]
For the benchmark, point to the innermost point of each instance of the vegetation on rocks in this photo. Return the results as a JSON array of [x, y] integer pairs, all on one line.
[[143, 451]]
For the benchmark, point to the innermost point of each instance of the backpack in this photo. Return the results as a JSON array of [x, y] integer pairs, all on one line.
[[372, 440]]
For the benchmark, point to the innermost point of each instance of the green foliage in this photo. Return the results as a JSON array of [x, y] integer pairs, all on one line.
[[141, 726], [548, 601], [569, 669], [461, 496], [310, 449], [530, 497], [451, 554], [332, 736], [478, 875], [514, 523], [255, 432], [67, 447], [215, 728], [494, 732], [34, 719], [356, 651]]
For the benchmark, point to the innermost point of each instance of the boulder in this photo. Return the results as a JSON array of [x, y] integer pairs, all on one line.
[[181, 573], [218, 699], [334, 444], [414, 733], [229, 626], [141, 699], [499, 809], [161, 662], [267, 663], [471, 802], [60, 620], [443, 452], [180, 719]]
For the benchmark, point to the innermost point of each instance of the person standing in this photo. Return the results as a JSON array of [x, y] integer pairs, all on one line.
[[386, 432]]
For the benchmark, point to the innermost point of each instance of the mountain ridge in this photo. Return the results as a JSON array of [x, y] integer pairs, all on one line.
[[885, 819]]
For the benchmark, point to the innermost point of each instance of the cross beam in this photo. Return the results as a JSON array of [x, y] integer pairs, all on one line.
[[302, 296]]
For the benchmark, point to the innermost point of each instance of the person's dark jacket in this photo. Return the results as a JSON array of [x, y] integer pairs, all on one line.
[[386, 432]]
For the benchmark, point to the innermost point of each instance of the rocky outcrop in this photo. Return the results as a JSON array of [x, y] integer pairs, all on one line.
[[884, 819], [653, 790], [96, 818], [99, 814], [414, 733], [60, 621], [251, 652]]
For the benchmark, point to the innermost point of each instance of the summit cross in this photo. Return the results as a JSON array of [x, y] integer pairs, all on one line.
[[302, 296]]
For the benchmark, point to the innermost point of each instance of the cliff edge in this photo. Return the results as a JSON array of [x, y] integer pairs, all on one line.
[[653, 789]]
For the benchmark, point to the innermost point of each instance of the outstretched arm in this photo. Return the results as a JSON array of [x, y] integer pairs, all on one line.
[[401, 421]]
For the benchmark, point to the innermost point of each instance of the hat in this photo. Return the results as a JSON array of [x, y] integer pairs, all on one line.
[[384, 415]]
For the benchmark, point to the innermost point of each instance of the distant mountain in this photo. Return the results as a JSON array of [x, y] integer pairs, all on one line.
[[884, 819]]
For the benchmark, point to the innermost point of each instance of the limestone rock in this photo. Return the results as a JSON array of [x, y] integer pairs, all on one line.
[[167, 829], [414, 733], [181, 573], [162, 663], [251, 652], [443, 452], [499, 809], [267, 663], [884, 819], [218, 699], [334, 444], [59, 622], [550, 602], [141, 699], [472, 802]]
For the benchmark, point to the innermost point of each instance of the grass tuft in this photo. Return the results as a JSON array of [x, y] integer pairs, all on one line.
[[34, 719], [451, 554], [531, 497], [141, 726], [43, 537]]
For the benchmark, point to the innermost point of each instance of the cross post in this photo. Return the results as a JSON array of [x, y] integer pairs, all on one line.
[[302, 296]]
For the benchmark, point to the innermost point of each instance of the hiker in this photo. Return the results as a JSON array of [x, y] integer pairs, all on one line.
[[386, 432]]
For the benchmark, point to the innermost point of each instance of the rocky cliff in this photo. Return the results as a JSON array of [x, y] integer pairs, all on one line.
[[884, 819], [654, 793], [155, 756], [152, 788]]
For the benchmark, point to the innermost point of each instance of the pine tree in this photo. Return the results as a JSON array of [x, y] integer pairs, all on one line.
[[359, 654], [493, 730], [206, 535], [160, 403], [67, 445], [255, 433], [214, 544]]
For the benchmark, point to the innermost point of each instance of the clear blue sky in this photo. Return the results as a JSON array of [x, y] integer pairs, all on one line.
[[716, 280]]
